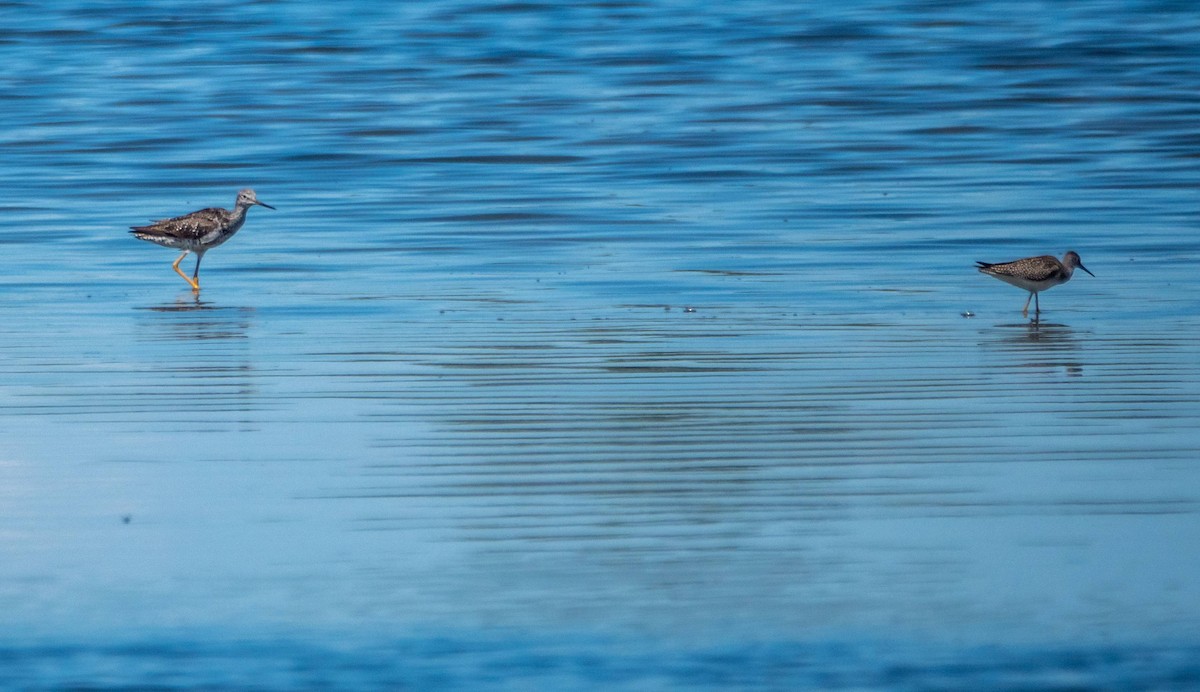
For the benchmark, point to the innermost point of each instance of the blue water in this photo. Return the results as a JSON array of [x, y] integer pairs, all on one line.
[[615, 345]]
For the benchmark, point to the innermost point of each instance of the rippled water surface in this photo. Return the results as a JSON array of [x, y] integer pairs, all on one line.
[[600, 345]]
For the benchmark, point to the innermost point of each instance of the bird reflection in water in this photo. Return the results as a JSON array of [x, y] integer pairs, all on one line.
[[202, 319], [204, 348], [1047, 345]]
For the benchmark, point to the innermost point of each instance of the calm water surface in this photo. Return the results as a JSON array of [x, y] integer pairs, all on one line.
[[600, 345]]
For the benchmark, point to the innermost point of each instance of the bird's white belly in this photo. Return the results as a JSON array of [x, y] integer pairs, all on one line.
[[217, 237], [1027, 284]]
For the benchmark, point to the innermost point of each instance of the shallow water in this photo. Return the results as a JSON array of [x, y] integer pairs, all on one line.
[[621, 345]]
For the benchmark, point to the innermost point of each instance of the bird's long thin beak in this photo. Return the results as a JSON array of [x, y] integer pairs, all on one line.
[[268, 206], [1086, 270]]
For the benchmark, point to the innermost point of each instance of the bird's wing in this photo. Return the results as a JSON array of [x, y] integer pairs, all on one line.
[[187, 227], [1031, 268]]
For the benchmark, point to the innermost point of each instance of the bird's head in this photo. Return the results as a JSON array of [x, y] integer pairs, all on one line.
[[247, 198], [1071, 259]]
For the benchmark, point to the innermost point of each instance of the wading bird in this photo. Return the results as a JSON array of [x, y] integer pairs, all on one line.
[[199, 231], [1035, 274]]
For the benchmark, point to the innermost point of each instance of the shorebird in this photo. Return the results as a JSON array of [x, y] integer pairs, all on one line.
[[199, 231], [1035, 274]]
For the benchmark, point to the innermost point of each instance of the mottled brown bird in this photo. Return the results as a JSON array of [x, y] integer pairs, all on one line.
[[199, 231], [1035, 274]]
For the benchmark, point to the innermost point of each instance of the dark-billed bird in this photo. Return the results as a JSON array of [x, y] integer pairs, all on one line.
[[199, 231], [1035, 274]]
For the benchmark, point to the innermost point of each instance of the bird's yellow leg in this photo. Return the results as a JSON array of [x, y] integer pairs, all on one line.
[[1024, 310], [194, 284]]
